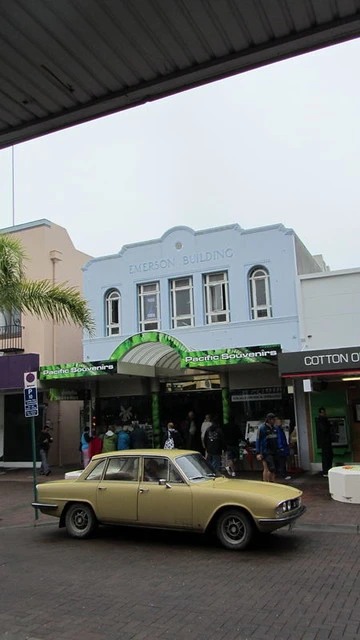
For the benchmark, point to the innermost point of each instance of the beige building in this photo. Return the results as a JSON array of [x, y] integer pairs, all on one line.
[[27, 342]]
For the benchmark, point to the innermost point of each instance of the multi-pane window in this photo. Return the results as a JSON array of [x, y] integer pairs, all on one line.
[[113, 313], [182, 303], [217, 307], [149, 306], [260, 293]]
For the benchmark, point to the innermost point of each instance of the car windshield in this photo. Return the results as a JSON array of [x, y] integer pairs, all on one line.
[[195, 467]]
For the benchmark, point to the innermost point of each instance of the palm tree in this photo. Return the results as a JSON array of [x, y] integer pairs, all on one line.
[[41, 298]]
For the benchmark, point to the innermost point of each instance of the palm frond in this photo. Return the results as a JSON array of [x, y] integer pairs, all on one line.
[[60, 302], [12, 259]]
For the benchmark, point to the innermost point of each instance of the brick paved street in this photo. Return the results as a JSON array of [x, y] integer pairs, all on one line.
[[142, 585], [135, 584]]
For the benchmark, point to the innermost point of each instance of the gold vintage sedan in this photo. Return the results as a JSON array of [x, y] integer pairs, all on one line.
[[174, 489]]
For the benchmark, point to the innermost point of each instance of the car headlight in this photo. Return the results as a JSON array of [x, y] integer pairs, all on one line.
[[286, 506]]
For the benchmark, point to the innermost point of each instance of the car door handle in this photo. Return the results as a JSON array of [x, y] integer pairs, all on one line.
[[143, 490], [102, 488]]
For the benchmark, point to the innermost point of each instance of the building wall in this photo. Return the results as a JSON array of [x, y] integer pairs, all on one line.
[[43, 240], [331, 309], [184, 252]]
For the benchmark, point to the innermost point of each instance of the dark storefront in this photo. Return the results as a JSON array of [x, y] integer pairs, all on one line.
[[250, 405], [17, 428]]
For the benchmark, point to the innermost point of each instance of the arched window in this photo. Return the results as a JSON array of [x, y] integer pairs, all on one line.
[[112, 312], [260, 293]]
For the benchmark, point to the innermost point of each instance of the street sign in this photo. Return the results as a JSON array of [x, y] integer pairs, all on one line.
[[31, 411], [30, 395], [30, 379]]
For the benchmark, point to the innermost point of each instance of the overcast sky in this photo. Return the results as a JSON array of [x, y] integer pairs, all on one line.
[[278, 144]]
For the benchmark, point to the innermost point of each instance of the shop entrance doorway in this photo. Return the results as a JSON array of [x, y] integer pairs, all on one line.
[[174, 407]]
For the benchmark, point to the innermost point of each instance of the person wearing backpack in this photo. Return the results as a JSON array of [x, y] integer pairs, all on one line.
[[173, 438], [214, 442]]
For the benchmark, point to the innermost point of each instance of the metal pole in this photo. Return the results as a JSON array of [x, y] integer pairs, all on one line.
[[13, 183], [33, 441]]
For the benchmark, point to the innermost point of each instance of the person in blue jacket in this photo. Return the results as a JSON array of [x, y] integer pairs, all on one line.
[[268, 447], [123, 439], [284, 451]]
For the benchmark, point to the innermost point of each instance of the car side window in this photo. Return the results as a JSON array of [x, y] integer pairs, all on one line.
[[123, 468], [96, 472], [155, 469], [174, 475]]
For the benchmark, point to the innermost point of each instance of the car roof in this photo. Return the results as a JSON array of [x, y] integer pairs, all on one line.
[[168, 453]]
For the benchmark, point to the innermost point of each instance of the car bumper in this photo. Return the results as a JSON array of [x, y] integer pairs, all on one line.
[[49, 509], [271, 524]]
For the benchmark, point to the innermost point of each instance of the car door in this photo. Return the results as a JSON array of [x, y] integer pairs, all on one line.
[[117, 492], [165, 499]]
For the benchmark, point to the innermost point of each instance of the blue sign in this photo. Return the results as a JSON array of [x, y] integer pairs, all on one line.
[[31, 402]]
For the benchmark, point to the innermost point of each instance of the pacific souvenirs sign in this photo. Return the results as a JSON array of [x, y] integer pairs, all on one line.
[[237, 355], [77, 370]]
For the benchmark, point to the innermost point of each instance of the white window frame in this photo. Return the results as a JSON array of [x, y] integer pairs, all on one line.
[[211, 280], [257, 310], [176, 318], [112, 328], [151, 324]]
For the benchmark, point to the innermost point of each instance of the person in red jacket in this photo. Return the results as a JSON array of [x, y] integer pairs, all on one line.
[[95, 444]]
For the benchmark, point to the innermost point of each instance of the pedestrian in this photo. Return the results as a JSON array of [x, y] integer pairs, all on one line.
[[109, 441], [84, 446], [204, 427], [324, 436], [214, 445], [192, 433], [173, 438], [44, 443], [123, 439], [138, 437], [231, 435], [268, 445], [284, 451], [95, 444]]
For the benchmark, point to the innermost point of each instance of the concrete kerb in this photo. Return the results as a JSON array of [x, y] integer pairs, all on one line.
[[328, 528], [29, 525]]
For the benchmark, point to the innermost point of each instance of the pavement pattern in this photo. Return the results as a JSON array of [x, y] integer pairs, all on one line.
[[132, 584]]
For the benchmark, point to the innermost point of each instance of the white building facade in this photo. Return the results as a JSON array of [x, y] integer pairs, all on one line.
[[194, 320]]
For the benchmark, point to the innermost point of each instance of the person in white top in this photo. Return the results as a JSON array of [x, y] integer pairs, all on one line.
[[204, 427]]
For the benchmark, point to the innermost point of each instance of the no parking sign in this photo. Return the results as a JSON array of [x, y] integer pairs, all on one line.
[[30, 395]]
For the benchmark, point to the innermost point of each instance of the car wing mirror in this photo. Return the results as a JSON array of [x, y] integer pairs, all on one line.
[[164, 483]]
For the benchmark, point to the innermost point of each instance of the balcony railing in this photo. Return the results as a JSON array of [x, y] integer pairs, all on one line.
[[11, 338]]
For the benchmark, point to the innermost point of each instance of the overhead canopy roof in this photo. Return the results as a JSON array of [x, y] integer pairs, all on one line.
[[63, 62], [153, 354]]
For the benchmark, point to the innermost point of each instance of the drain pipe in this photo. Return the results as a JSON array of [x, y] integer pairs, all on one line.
[[55, 257]]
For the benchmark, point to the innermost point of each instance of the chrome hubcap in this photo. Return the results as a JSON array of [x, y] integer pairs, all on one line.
[[80, 519], [234, 529]]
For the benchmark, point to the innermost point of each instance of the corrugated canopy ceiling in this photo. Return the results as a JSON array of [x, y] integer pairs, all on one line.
[[63, 62], [153, 354]]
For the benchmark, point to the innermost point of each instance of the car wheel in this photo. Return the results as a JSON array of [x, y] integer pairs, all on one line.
[[80, 520], [234, 529]]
